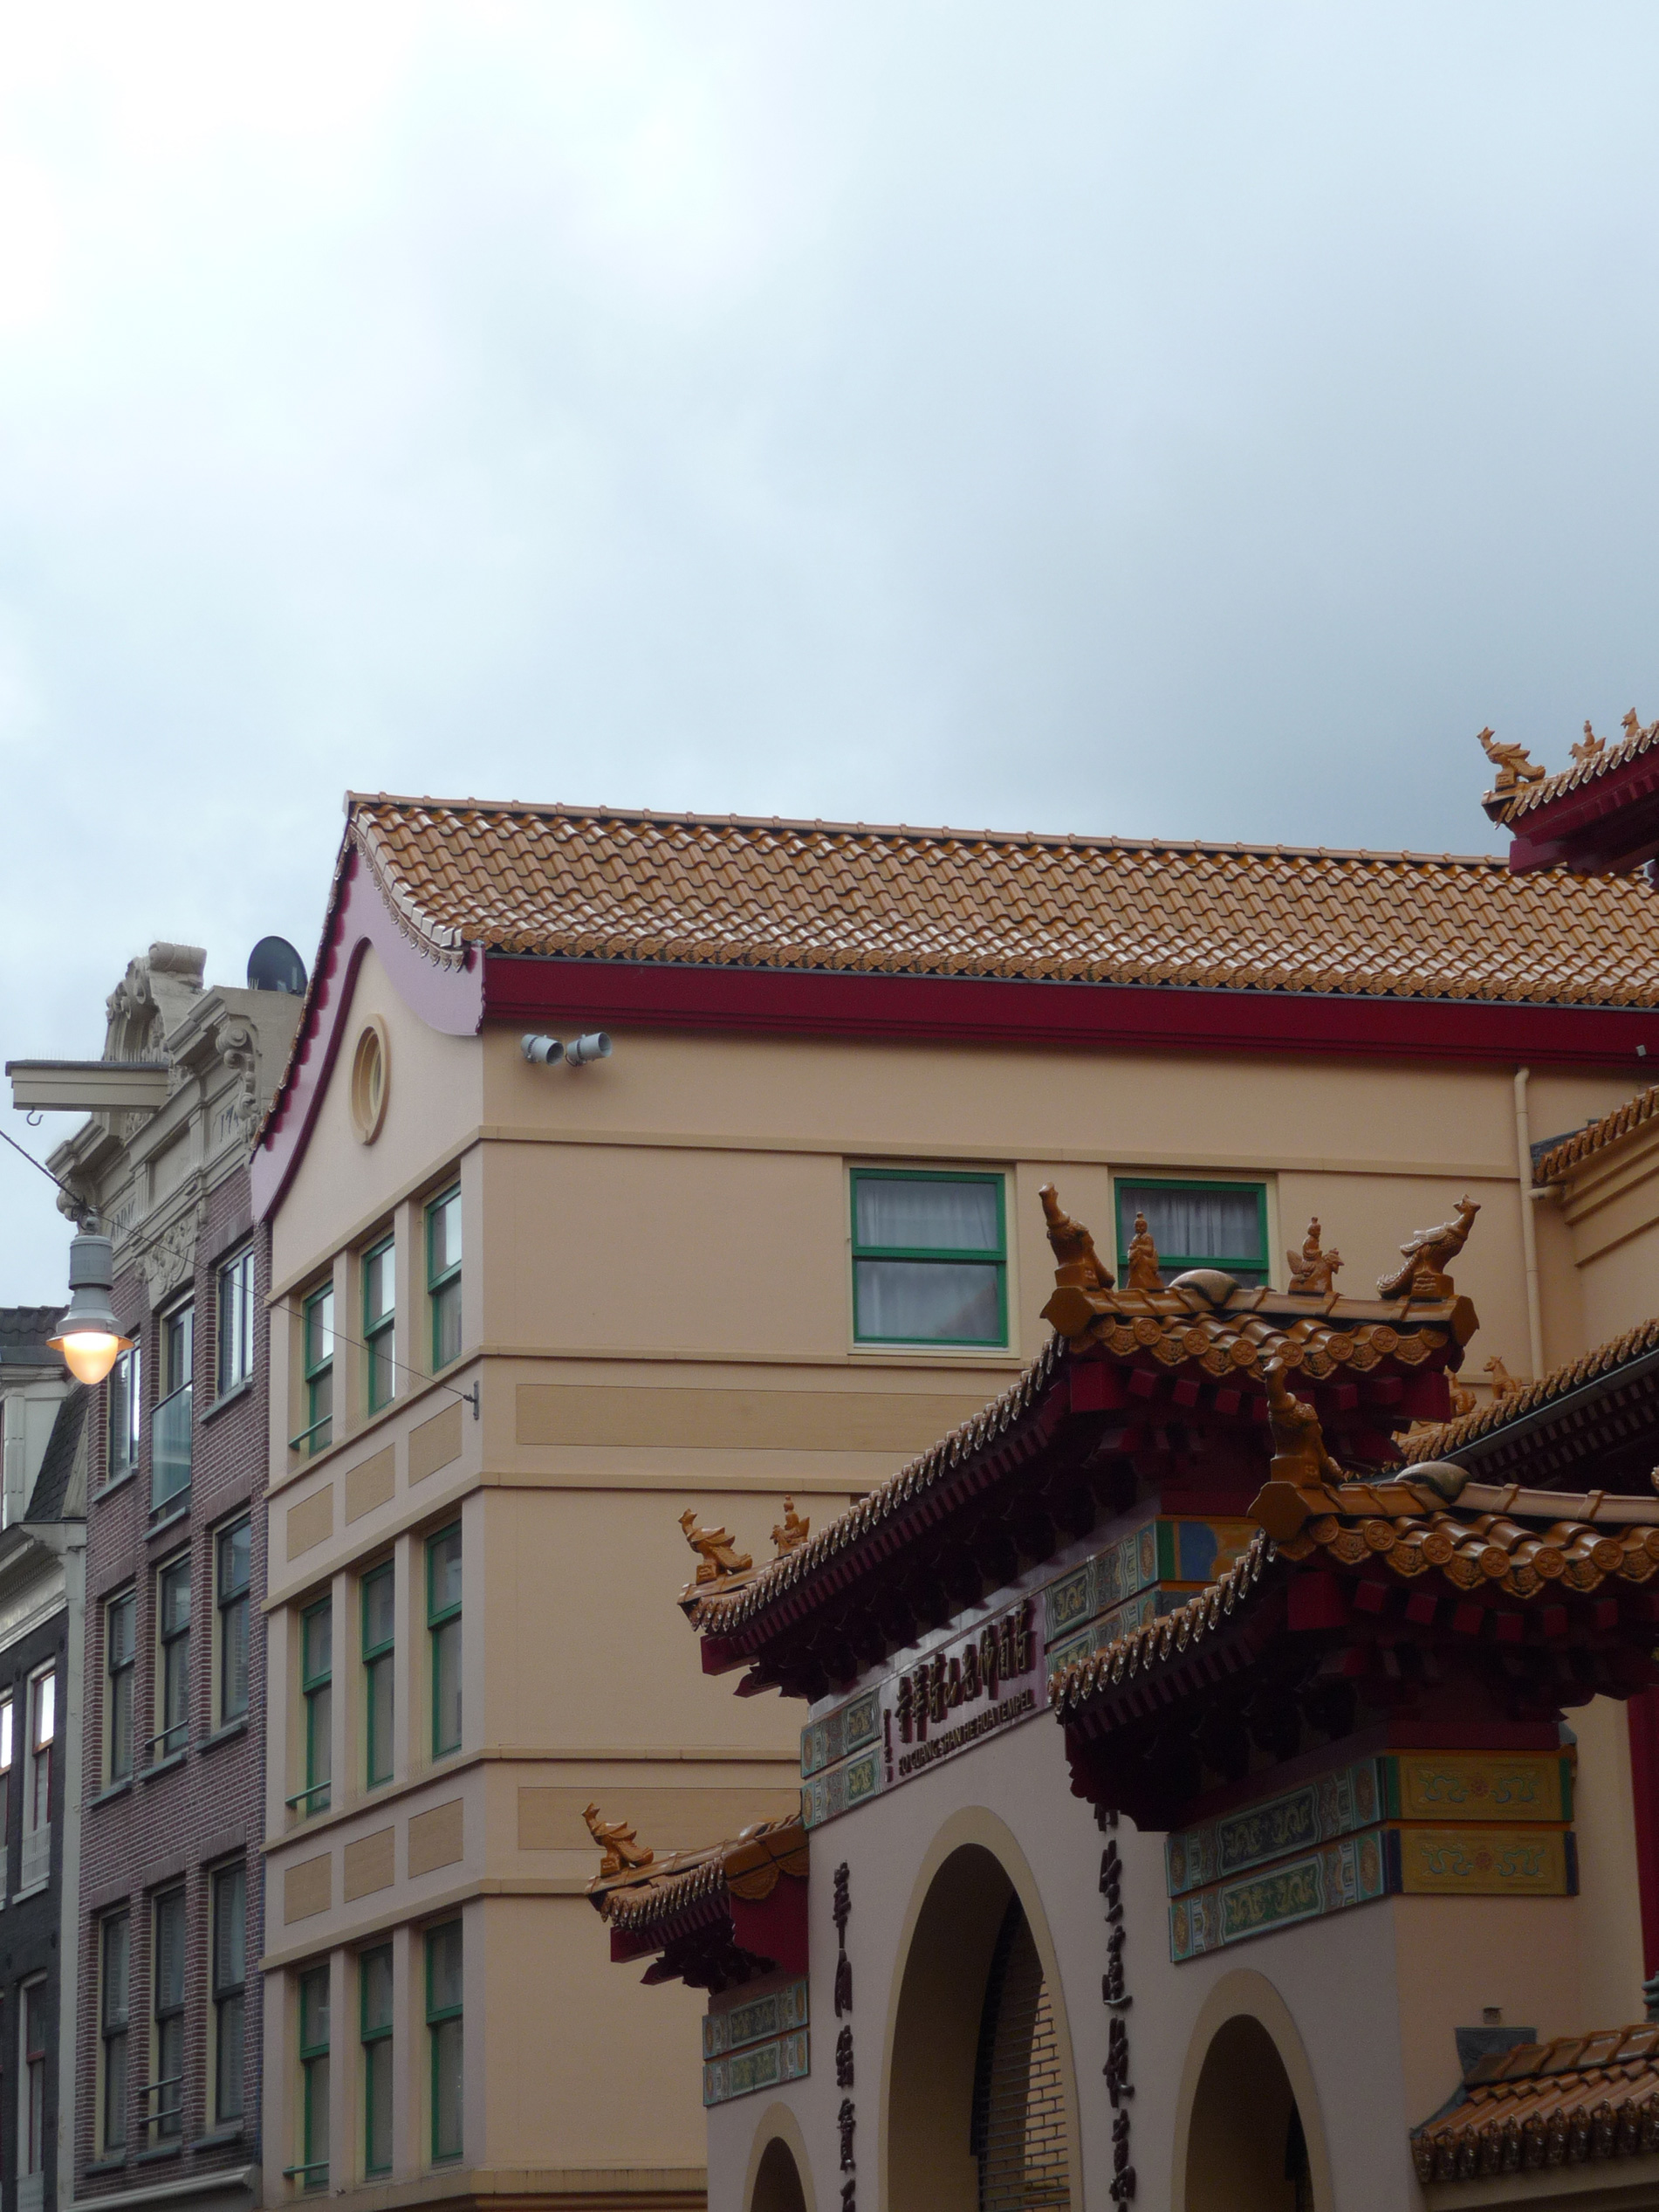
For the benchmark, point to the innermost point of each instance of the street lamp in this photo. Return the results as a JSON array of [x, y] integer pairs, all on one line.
[[90, 1339]]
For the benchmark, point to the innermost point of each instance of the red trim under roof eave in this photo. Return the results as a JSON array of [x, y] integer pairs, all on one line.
[[1122, 1017]]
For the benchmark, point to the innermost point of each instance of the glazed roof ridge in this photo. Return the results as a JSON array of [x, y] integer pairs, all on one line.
[[1573, 2101], [664, 1888], [1530, 797], [1557, 1165], [943, 833], [1449, 1437], [1170, 1634], [561, 882], [741, 1597]]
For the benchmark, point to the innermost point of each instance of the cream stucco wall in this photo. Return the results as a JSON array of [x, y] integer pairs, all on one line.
[[657, 1314]]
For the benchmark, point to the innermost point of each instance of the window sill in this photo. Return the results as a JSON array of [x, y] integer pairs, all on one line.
[[226, 1735], [116, 1482], [35, 1889], [175, 1511], [161, 2151], [107, 1796], [228, 1398], [115, 2164], [222, 2138], [165, 1766]]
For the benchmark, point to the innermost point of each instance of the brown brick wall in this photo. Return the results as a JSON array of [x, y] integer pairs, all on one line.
[[207, 1806]]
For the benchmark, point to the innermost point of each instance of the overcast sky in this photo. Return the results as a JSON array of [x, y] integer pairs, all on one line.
[[1169, 419]]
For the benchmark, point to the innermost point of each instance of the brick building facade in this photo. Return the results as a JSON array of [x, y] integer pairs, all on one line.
[[168, 1926]]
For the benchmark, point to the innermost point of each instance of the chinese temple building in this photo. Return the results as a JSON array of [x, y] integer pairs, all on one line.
[[1327, 1897]]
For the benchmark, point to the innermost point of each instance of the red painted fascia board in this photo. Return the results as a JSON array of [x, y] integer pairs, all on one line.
[[1104, 1016], [1606, 820], [448, 998]]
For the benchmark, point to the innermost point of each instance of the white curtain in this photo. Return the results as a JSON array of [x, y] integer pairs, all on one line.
[[931, 1217], [929, 1301]]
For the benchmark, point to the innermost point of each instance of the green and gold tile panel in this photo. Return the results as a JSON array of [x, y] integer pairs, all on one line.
[[1457, 1824], [756, 2043]]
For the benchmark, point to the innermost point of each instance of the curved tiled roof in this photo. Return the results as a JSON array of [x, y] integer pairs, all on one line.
[[747, 1867], [1528, 798], [1165, 1638], [592, 884], [1442, 1442], [1579, 2100], [1557, 1164]]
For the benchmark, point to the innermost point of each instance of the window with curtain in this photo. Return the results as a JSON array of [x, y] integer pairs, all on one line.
[[444, 1632], [380, 1657], [319, 1363], [317, 1687], [929, 1258], [443, 1276], [1197, 1225], [444, 2032], [380, 1321], [374, 1983]]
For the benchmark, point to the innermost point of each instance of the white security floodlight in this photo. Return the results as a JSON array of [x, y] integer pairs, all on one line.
[[542, 1052], [595, 1046]]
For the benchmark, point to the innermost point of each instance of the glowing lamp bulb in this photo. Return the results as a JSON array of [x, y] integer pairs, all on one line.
[[90, 1338]]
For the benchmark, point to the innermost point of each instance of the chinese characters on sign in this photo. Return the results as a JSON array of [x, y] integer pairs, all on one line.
[[1118, 2087], [846, 2119]]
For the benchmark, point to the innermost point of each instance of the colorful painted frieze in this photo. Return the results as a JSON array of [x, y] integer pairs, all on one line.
[[763, 2066], [1468, 1786], [1352, 1871], [836, 1735], [755, 2019], [1330, 1805], [1485, 1862]]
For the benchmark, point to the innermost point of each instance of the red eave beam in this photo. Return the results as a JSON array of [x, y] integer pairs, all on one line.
[[1102, 1016]]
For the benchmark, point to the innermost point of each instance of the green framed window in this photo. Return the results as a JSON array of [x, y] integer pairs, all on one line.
[[929, 1258], [1198, 1223], [443, 2030], [443, 1633], [379, 1659], [379, 1321], [317, 1688], [374, 2029], [312, 2169], [444, 1275], [318, 1365]]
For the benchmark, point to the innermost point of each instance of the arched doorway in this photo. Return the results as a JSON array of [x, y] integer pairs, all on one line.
[[978, 2103], [778, 2183], [1246, 2149]]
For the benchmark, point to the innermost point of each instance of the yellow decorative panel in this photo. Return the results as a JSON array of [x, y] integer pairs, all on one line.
[[307, 1888], [435, 1444], [438, 1837], [371, 1863], [369, 1486], [1487, 1862], [1478, 1785], [311, 1522]]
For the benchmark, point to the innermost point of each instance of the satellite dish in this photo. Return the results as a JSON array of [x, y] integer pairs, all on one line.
[[274, 965]]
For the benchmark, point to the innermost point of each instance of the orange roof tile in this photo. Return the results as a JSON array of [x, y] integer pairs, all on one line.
[[603, 885], [1442, 1441], [1557, 1165], [1579, 2100], [747, 1866]]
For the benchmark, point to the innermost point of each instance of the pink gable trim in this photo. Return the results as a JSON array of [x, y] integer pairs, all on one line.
[[448, 999]]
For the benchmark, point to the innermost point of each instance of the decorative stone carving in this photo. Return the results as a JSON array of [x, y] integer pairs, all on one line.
[[1513, 763], [717, 1556], [171, 1259], [1313, 1271], [1143, 1258], [1504, 1383], [151, 997], [1299, 1456], [1079, 1266], [1463, 1401], [1426, 1254], [238, 1048], [617, 1840], [792, 1531], [1589, 747]]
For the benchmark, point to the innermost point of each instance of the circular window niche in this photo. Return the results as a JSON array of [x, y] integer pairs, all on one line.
[[370, 1070]]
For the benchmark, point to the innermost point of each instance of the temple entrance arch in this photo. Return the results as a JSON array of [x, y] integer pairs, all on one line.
[[779, 2171], [1248, 2132], [980, 2108]]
